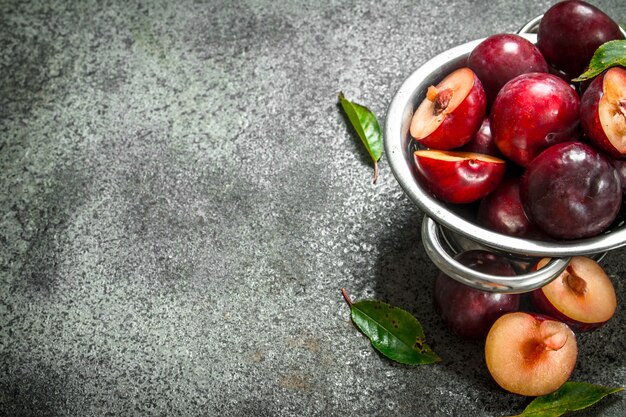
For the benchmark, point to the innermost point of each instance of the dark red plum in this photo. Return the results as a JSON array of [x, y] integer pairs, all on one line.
[[532, 112], [620, 166], [502, 211], [482, 142], [502, 57], [571, 191], [470, 312], [562, 75], [571, 31]]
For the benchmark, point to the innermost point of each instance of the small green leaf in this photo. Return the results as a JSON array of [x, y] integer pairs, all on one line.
[[572, 396], [366, 126], [609, 54], [393, 332]]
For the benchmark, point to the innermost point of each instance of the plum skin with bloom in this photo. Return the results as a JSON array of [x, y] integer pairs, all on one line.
[[571, 191], [467, 311], [562, 42]]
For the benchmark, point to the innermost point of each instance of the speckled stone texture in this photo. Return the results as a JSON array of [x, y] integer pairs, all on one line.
[[182, 202]]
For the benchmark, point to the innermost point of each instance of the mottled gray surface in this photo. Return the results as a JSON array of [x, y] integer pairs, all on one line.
[[182, 202]]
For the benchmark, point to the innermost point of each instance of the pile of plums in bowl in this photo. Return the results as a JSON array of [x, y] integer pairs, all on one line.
[[505, 134]]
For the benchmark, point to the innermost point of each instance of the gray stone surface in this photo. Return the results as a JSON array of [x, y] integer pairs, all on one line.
[[182, 202]]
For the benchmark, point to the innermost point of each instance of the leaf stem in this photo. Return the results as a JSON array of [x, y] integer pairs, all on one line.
[[346, 297], [375, 172]]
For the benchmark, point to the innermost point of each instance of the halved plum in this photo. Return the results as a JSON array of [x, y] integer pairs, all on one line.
[[603, 111], [582, 296], [530, 354], [451, 113], [458, 177]]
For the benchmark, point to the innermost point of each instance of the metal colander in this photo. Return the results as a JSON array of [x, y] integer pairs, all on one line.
[[446, 230]]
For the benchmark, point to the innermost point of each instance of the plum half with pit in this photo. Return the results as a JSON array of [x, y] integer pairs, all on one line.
[[603, 111], [467, 311], [571, 31], [582, 296], [451, 112], [502, 57], [532, 112], [571, 191], [530, 354]]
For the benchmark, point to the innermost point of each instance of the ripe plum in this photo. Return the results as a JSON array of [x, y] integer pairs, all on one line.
[[502, 57], [502, 211], [571, 191], [532, 112], [571, 31], [470, 312]]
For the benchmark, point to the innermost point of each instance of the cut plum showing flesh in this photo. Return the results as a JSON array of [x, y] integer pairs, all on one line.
[[530, 354], [451, 113], [458, 177], [582, 296], [603, 111]]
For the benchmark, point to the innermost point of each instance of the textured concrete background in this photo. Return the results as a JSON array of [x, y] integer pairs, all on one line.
[[182, 202]]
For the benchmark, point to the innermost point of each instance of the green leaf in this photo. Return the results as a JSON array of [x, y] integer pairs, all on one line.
[[393, 332], [366, 126], [572, 396], [609, 54]]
